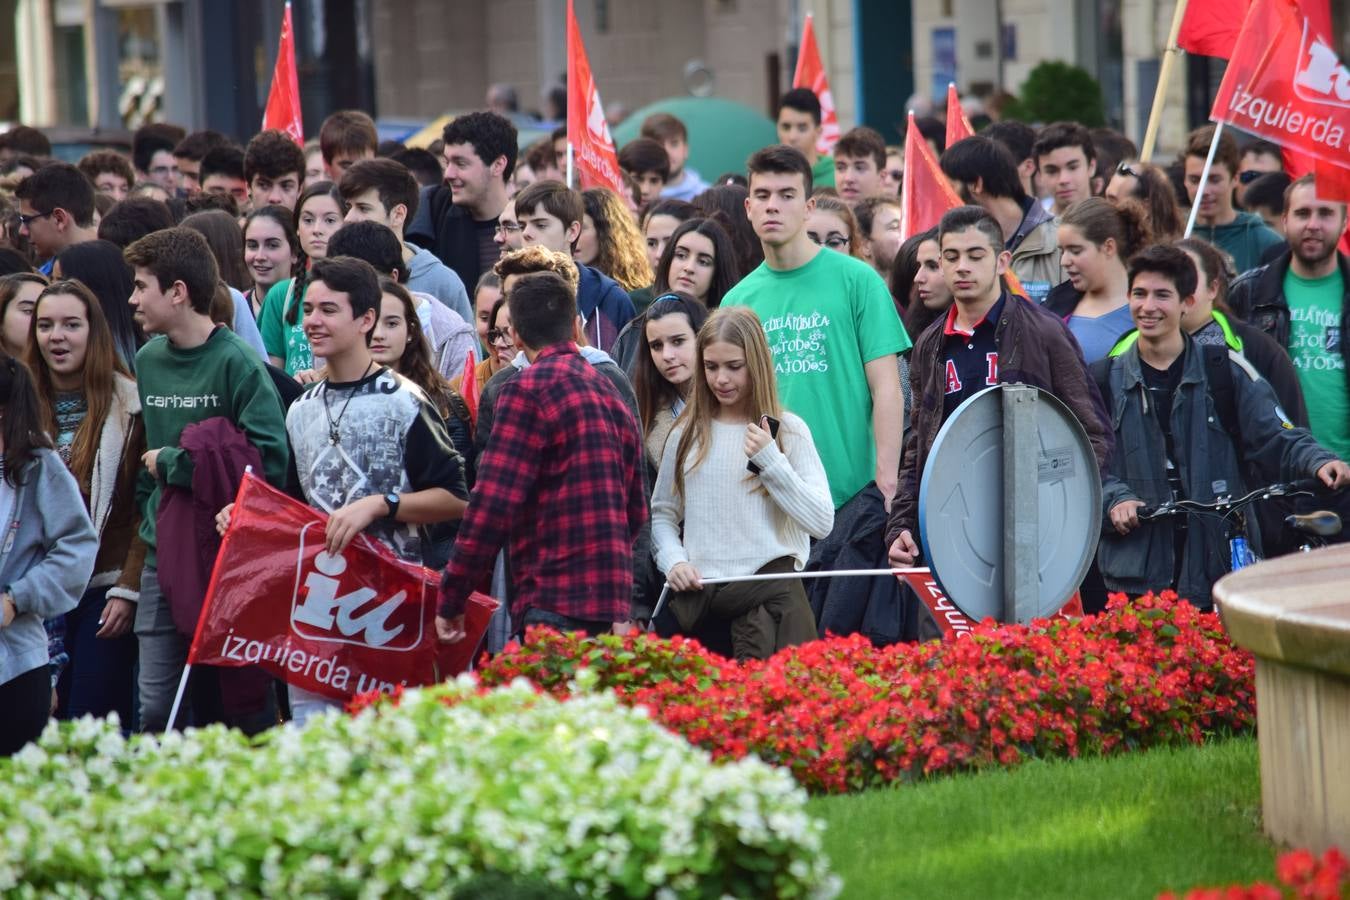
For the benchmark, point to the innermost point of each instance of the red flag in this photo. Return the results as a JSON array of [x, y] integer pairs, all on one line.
[[926, 192], [1210, 27], [283, 100], [1285, 83], [810, 74], [469, 388], [958, 126], [950, 620], [596, 163], [339, 625]]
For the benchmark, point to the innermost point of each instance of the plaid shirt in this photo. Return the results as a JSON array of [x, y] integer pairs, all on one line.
[[562, 479]]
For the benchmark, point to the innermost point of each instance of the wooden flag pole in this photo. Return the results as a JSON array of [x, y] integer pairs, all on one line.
[[1164, 75]]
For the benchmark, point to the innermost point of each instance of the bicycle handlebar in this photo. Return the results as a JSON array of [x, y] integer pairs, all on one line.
[[1301, 487]]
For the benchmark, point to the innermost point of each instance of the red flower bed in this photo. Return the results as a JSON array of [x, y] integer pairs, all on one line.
[[844, 716], [1301, 875]]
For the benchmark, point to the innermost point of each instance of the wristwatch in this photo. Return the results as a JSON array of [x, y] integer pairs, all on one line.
[[391, 500]]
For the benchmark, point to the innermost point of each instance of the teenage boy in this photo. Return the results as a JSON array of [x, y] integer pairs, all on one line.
[[222, 172], [832, 328], [561, 483], [859, 158], [799, 127], [1302, 299], [1165, 394], [1242, 235], [189, 153], [110, 172], [346, 137], [1258, 158], [191, 371], [383, 191], [507, 236], [1018, 138], [457, 220], [1066, 162], [683, 183], [56, 210], [987, 337], [152, 154], [879, 224], [274, 167], [984, 174], [370, 449], [647, 163], [551, 214]]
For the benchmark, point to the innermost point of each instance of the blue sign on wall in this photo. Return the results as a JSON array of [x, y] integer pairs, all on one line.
[[944, 61]]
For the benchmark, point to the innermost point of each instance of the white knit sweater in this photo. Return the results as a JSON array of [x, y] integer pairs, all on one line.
[[730, 528]]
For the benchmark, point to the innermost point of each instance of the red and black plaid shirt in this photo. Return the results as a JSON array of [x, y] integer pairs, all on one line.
[[562, 479]]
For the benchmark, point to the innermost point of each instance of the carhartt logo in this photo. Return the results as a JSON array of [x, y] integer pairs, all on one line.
[[320, 611], [1321, 77]]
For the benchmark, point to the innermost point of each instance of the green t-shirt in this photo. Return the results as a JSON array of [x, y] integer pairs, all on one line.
[[825, 320], [283, 340], [1318, 350], [822, 173]]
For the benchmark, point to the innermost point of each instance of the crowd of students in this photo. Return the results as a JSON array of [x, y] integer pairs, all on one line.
[[572, 398]]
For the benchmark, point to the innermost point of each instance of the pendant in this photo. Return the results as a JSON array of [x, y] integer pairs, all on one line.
[[333, 436]]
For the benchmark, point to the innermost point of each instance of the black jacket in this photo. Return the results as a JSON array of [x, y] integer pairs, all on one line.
[[1258, 297], [448, 231]]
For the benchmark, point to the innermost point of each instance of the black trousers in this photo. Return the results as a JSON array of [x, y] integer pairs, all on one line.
[[25, 706]]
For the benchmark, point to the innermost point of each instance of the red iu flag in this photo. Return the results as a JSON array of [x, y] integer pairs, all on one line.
[[1210, 27], [597, 164], [810, 74], [1285, 83], [339, 624], [925, 192], [283, 101], [958, 126]]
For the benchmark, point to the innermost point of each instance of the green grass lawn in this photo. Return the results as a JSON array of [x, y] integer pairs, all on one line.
[[1126, 827]]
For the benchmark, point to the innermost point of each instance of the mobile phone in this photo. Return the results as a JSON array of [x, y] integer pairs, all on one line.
[[774, 425]]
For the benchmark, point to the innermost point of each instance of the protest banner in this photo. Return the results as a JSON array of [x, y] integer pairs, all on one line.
[[337, 624], [949, 619], [283, 100], [590, 149], [810, 74]]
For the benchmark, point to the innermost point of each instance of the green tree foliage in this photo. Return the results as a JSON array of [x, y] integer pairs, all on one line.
[[1056, 91]]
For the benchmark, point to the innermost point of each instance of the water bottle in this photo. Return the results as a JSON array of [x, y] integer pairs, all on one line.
[[1241, 553]]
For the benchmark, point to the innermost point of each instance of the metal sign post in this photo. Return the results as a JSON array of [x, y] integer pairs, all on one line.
[[1021, 503]]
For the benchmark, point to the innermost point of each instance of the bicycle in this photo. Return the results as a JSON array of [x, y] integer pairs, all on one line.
[[1316, 527]]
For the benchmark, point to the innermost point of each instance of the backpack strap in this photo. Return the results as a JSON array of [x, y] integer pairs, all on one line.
[[1219, 375]]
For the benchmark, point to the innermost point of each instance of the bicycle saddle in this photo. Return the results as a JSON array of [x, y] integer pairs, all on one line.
[[1320, 523]]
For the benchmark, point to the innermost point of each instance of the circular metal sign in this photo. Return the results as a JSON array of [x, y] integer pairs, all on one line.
[[961, 505]]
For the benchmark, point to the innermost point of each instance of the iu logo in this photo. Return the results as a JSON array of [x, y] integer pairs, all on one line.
[[327, 607], [1321, 76]]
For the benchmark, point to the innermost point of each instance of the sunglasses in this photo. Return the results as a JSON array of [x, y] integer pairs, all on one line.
[[25, 221], [1124, 169], [1250, 175]]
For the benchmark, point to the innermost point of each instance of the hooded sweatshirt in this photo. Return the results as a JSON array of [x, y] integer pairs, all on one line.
[[428, 275], [1246, 239], [604, 306]]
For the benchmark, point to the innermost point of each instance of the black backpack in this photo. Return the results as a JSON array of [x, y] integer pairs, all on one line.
[[1218, 375]]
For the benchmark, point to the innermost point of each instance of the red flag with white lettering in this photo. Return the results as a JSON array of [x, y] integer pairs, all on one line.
[[810, 74], [283, 100], [958, 126], [950, 620], [1285, 83], [596, 163], [340, 624]]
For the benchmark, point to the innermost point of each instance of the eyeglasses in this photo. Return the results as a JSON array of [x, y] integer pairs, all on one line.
[[505, 228], [1124, 169], [498, 335], [25, 221], [834, 240]]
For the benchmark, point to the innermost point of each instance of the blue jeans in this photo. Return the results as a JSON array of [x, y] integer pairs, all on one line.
[[101, 675], [536, 616]]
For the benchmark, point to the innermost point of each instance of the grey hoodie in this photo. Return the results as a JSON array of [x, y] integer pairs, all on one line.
[[428, 275], [46, 558]]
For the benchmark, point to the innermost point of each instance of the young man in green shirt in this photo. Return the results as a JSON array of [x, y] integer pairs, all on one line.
[[1242, 235], [191, 371], [799, 125]]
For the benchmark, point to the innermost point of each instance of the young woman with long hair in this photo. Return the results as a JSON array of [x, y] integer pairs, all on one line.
[[832, 224], [18, 293], [1095, 240], [664, 375], [744, 478], [46, 558], [271, 251], [1149, 185], [726, 204], [921, 295], [100, 266], [88, 403], [699, 260], [610, 240], [318, 213]]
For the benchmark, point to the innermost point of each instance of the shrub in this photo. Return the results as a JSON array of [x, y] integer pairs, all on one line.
[[502, 793], [844, 716], [1301, 876], [1056, 92]]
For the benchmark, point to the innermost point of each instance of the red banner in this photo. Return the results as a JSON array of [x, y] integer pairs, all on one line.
[[339, 625], [1210, 27], [283, 100], [593, 156], [1285, 83], [951, 621], [810, 74], [958, 126]]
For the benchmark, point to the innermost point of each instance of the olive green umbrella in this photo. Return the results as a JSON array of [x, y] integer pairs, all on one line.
[[722, 133]]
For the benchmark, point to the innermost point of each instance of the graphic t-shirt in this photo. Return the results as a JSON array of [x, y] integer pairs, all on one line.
[[282, 339], [389, 439], [1318, 350], [970, 358], [825, 320]]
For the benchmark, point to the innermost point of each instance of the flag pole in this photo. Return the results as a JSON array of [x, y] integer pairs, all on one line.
[[178, 698], [1164, 75], [570, 164], [1204, 178]]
